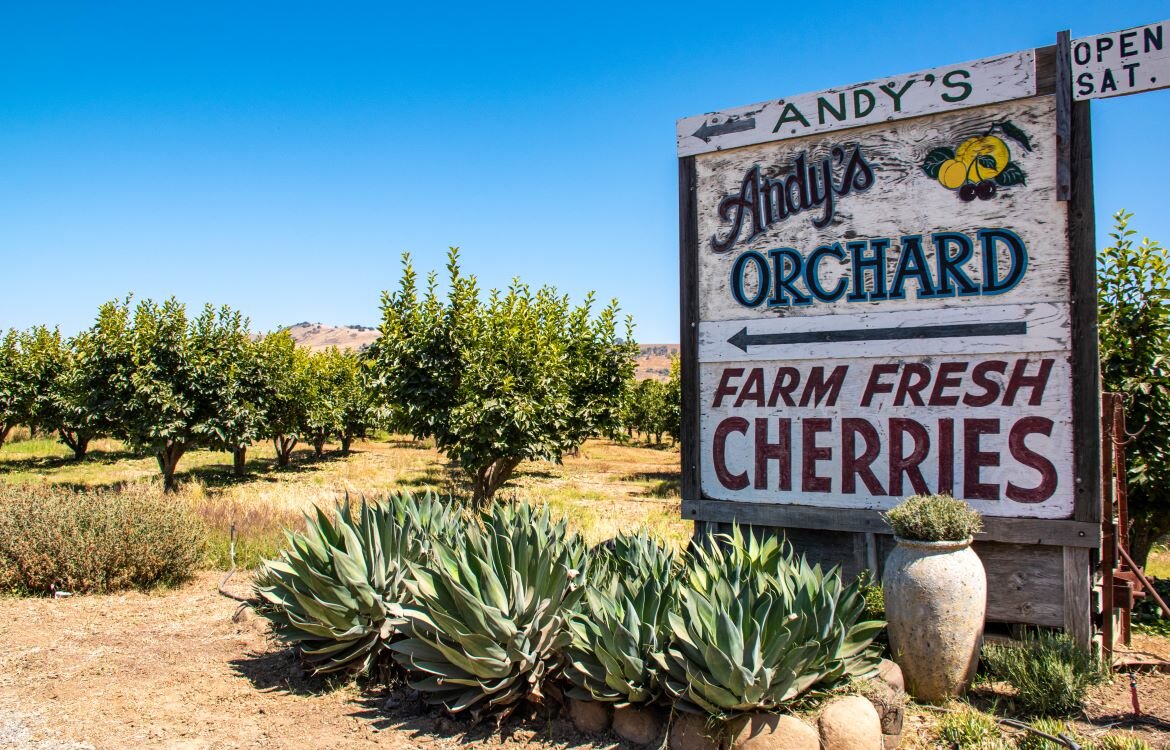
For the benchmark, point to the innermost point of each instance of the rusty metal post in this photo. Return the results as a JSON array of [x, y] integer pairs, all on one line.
[[1108, 538]]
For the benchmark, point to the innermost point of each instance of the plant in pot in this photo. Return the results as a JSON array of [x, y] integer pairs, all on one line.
[[935, 590]]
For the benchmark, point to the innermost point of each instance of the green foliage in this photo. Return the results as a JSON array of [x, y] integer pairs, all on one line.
[[337, 591], [287, 379], [1050, 673], [172, 379], [1121, 741], [757, 629], [968, 729], [1147, 615], [655, 407], [934, 518], [519, 376], [17, 395], [623, 622], [1133, 287], [339, 401], [1051, 727], [94, 541], [488, 627]]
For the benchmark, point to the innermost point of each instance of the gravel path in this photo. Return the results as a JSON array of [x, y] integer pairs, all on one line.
[[15, 734]]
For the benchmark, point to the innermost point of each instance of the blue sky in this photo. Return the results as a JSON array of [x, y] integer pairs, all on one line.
[[279, 157]]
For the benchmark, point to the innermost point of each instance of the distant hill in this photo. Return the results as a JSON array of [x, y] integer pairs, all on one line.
[[318, 336], [653, 359]]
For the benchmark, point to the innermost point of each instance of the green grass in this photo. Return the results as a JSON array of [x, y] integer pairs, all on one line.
[[969, 729], [1050, 673], [607, 488]]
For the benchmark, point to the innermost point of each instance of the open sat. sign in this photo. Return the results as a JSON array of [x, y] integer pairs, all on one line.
[[884, 308]]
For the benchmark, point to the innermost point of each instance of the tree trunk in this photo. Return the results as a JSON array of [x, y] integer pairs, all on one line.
[[489, 478], [318, 446], [346, 442], [239, 460], [284, 447], [78, 442], [4, 430], [168, 460]]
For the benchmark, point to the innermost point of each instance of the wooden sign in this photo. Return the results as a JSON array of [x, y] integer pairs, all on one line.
[[1121, 62], [880, 307], [893, 98]]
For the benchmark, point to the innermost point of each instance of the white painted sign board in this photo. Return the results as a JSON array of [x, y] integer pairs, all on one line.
[[882, 100], [883, 302], [1121, 62]]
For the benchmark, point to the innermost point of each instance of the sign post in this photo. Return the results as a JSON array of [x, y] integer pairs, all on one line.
[[887, 291]]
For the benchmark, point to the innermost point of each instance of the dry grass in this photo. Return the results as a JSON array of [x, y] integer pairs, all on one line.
[[606, 488]]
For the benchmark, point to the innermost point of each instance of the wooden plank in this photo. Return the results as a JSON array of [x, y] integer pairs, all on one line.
[[1046, 328], [1024, 583], [689, 330], [1063, 119], [1077, 609], [1011, 530], [1045, 70], [1085, 359], [1121, 62], [992, 79]]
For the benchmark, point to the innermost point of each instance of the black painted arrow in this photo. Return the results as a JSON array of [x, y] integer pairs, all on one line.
[[743, 339], [707, 132]]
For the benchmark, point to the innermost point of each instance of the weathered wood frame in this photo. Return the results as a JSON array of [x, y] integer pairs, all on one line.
[[1043, 568]]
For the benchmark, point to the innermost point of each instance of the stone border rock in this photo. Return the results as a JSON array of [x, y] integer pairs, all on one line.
[[870, 721]]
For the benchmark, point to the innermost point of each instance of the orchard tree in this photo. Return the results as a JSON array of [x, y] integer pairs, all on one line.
[[47, 360], [172, 400], [15, 395], [234, 380], [1133, 289], [285, 374], [519, 376], [322, 412], [353, 397]]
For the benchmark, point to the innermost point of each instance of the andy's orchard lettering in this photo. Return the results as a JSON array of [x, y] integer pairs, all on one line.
[[764, 201], [984, 431], [860, 270]]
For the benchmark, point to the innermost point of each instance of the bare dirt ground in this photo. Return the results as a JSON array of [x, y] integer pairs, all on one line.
[[173, 670]]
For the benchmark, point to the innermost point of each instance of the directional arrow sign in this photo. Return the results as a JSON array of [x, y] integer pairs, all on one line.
[[742, 340], [708, 131]]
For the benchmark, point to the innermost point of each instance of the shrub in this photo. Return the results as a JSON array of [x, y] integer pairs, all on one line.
[[336, 593], [94, 541], [968, 729], [934, 518], [1051, 727], [489, 627], [757, 629], [623, 622], [1122, 742], [1049, 672]]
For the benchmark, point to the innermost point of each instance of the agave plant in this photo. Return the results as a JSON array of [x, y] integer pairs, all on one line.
[[624, 622], [336, 591], [489, 624], [757, 628]]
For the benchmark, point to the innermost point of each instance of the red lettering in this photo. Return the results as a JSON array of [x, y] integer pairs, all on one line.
[[719, 452], [725, 387], [946, 456], [903, 463], [810, 454], [780, 451], [974, 459], [948, 373], [817, 387], [989, 385], [1033, 460], [913, 389], [1018, 380], [852, 465], [753, 388], [875, 385], [787, 378]]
